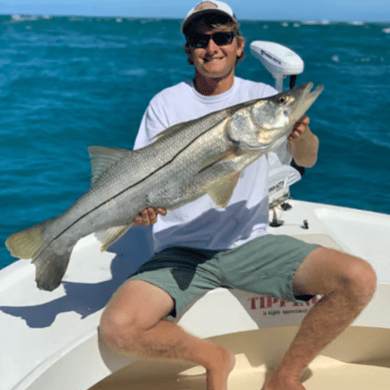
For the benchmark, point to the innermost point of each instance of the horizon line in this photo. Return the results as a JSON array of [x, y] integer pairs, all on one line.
[[314, 21]]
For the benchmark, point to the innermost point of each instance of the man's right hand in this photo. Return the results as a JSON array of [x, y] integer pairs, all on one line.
[[148, 216]]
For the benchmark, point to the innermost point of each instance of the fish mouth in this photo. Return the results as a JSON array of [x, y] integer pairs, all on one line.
[[305, 100]]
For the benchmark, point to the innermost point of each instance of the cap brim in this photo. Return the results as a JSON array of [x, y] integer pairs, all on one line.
[[202, 12]]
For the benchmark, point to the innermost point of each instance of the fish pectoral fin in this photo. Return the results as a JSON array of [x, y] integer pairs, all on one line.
[[103, 158], [108, 237], [222, 190]]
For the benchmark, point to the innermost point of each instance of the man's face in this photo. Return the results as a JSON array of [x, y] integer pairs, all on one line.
[[215, 61]]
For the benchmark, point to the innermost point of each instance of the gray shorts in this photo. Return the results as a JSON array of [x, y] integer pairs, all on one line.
[[265, 265]]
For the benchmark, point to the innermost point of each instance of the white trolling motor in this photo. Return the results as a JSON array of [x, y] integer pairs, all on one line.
[[281, 62]]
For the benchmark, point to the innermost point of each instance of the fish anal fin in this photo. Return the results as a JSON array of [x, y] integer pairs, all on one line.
[[102, 158], [108, 237], [222, 190]]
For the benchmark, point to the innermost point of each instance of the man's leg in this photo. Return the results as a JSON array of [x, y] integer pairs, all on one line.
[[133, 323], [348, 284]]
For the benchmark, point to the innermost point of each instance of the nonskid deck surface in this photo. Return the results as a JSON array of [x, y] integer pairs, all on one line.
[[359, 360]]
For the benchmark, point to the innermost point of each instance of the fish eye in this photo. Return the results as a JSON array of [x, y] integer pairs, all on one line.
[[282, 99]]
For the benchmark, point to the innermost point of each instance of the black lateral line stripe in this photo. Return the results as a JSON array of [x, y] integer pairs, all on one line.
[[212, 164], [135, 184]]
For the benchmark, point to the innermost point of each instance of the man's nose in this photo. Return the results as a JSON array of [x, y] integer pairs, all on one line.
[[211, 46]]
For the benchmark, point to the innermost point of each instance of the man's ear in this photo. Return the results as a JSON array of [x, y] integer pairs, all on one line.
[[188, 51], [240, 46]]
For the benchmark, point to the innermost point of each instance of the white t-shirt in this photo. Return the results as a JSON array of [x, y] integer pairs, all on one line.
[[202, 224]]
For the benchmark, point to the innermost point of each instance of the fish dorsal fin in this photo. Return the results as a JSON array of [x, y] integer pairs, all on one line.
[[103, 158], [222, 190]]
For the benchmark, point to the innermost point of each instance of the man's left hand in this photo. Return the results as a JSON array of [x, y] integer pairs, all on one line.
[[303, 144], [299, 128]]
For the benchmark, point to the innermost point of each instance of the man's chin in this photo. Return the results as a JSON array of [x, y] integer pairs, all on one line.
[[216, 73]]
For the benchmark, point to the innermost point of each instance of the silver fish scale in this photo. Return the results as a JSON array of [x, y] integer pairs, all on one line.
[[171, 191]]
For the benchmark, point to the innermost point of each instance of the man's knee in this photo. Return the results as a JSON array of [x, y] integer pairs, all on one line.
[[135, 308], [353, 277], [360, 280], [326, 271], [117, 327]]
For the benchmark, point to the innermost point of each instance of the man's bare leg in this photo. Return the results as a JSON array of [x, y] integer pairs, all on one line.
[[132, 323], [348, 284]]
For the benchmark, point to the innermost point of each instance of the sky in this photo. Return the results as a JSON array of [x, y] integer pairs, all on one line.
[[331, 10]]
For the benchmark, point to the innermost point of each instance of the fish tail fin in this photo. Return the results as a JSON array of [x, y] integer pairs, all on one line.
[[25, 244], [51, 267], [50, 264]]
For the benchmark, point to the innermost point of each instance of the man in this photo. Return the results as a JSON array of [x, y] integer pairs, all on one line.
[[199, 247]]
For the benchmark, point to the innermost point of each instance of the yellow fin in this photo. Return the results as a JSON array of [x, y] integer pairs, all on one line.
[[25, 244], [222, 190], [108, 237]]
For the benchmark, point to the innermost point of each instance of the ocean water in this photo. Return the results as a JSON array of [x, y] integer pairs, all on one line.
[[69, 82]]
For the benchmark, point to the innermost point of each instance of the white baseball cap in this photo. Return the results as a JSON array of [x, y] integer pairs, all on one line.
[[204, 7]]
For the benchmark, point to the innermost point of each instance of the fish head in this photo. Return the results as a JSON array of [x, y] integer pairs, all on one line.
[[265, 123]]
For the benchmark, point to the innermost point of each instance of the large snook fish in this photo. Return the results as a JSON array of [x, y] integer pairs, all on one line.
[[186, 161]]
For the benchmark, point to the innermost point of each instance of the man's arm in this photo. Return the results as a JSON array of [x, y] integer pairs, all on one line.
[[303, 144]]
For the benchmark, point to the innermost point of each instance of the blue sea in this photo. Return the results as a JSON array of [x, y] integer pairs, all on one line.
[[70, 82]]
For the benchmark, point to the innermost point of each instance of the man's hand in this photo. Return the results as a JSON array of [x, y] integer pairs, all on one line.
[[148, 216], [299, 128], [303, 144]]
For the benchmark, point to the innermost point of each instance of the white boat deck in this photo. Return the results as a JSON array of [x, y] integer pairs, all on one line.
[[49, 339]]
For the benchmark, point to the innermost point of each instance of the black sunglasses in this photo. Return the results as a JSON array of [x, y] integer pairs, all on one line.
[[220, 38]]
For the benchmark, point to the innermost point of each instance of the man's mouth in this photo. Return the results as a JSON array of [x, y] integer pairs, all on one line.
[[206, 60]]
